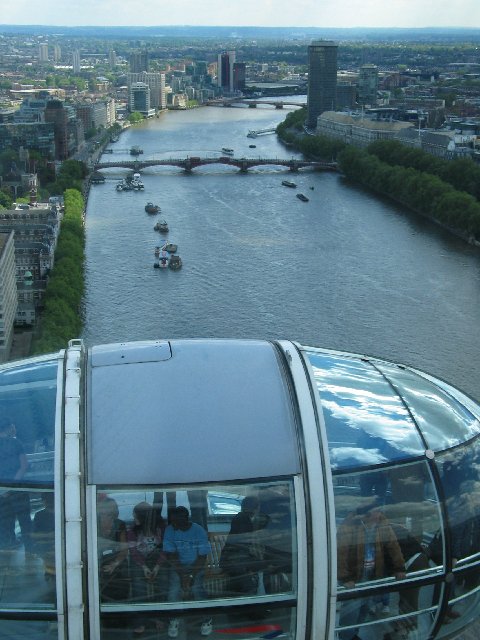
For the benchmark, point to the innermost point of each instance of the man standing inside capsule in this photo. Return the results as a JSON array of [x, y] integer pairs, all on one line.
[[186, 546]]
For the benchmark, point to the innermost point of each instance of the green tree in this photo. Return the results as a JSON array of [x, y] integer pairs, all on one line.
[[135, 117]]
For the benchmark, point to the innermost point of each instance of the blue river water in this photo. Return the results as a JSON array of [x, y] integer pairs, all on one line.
[[345, 270]]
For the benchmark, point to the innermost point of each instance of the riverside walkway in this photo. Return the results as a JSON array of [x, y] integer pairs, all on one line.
[[190, 163]]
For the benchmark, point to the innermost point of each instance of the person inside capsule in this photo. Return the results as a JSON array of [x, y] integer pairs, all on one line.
[[368, 549], [186, 547]]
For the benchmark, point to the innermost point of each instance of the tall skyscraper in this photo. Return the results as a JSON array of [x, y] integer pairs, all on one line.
[[76, 61], [57, 53], [112, 59], [138, 61], [225, 62], [43, 52], [322, 79], [368, 84], [239, 74]]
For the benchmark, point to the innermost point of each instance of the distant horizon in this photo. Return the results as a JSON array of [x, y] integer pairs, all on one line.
[[225, 31], [239, 26], [327, 14]]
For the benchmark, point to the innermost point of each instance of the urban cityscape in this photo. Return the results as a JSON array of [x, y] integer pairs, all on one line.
[[182, 210], [64, 98]]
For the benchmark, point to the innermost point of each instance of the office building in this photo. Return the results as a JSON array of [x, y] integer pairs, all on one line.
[[8, 292], [322, 79], [39, 136], [139, 99], [138, 61], [357, 130], [69, 132], [225, 62], [346, 95], [156, 83], [368, 85], [36, 228], [239, 76]]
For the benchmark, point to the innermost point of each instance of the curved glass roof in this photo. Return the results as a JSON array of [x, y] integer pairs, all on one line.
[[443, 421], [366, 421]]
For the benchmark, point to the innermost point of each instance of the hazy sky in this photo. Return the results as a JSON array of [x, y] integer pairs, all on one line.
[[302, 13]]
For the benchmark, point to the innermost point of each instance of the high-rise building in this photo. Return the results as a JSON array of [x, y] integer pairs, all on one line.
[[76, 61], [43, 52], [112, 58], [139, 99], [368, 85], [156, 82], [239, 75], [322, 79], [138, 61], [225, 62], [57, 53], [68, 130]]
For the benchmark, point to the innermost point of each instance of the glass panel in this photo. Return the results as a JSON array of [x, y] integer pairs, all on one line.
[[27, 427], [27, 564], [460, 613], [366, 421], [385, 519], [28, 630], [237, 622], [459, 472], [196, 543], [27, 405], [386, 614], [443, 421]]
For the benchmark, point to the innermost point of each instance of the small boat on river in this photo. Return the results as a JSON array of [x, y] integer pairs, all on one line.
[[302, 197], [170, 247], [288, 183], [227, 151], [161, 226], [175, 262], [135, 150], [152, 208]]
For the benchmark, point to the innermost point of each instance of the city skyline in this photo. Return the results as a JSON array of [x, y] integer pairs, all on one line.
[[274, 13]]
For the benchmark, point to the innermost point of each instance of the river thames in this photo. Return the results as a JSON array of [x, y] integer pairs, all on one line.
[[345, 270]]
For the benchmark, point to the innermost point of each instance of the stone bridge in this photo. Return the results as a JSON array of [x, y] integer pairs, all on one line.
[[191, 162]]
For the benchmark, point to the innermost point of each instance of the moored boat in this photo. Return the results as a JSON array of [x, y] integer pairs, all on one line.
[[135, 150], [289, 183], [170, 247], [175, 262], [98, 178], [302, 197], [152, 208], [161, 226], [163, 261]]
